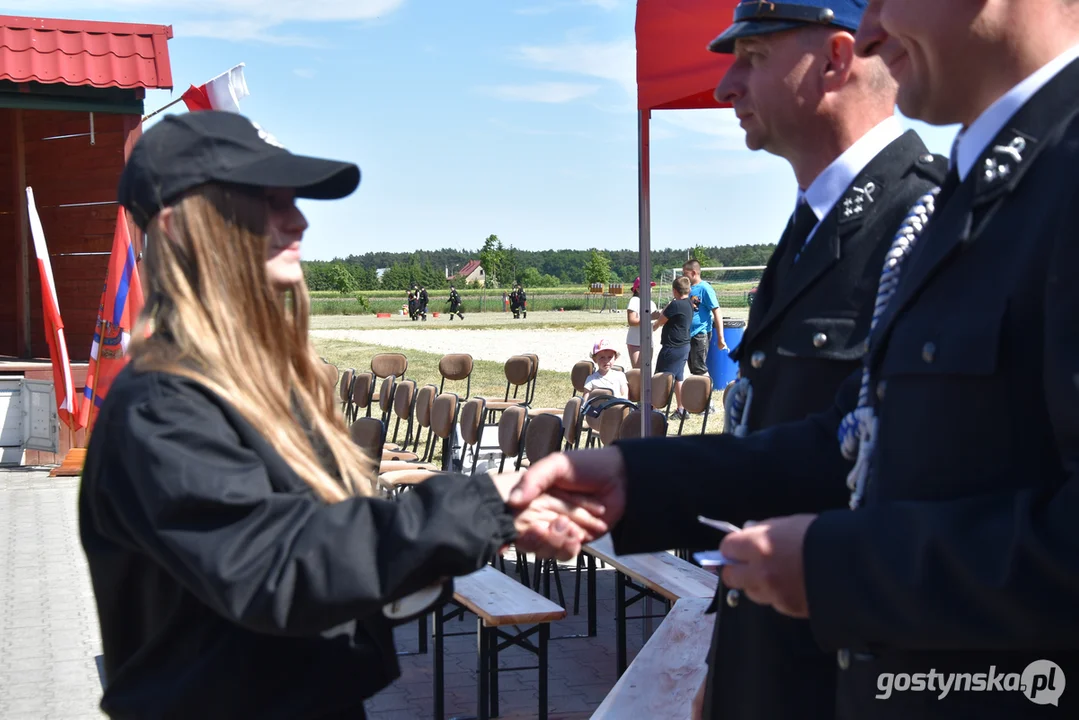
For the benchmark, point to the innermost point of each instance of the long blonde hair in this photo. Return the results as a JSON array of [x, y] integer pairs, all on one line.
[[213, 316]]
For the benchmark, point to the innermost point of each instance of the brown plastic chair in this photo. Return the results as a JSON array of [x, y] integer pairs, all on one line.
[[425, 399], [543, 437], [631, 426], [444, 411], [404, 400], [518, 371], [472, 430], [456, 367], [662, 392], [535, 375], [385, 365], [579, 374], [696, 398], [363, 390], [633, 379], [571, 422], [511, 431], [345, 392], [610, 423], [366, 433]]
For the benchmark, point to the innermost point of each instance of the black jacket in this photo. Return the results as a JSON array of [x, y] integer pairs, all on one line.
[[805, 337], [964, 557], [802, 340], [225, 588]]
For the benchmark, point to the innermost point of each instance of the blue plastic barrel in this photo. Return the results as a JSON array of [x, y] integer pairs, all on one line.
[[721, 368]]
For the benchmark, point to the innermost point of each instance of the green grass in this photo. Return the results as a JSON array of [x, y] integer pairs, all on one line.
[[553, 389]]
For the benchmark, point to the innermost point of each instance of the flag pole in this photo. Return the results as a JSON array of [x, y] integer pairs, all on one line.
[[162, 109]]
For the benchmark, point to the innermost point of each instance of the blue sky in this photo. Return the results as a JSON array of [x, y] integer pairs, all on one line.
[[471, 117]]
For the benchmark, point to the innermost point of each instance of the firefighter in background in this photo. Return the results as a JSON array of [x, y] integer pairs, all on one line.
[[412, 302], [522, 301], [515, 303], [455, 303], [421, 302]]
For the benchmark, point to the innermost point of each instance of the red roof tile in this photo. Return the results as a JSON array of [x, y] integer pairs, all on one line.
[[71, 52]]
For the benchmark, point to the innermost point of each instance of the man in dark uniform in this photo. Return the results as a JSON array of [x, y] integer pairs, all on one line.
[[423, 299], [948, 587], [522, 301], [858, 174], [412, 302], [455, 303]]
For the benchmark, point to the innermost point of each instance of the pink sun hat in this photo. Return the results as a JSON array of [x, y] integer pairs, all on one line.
[[602, 345]]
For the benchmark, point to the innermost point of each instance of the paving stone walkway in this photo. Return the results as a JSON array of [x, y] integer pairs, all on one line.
[[49, 635]]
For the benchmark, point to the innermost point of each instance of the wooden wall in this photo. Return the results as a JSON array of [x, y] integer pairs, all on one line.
[[9, 236], [74, 185]]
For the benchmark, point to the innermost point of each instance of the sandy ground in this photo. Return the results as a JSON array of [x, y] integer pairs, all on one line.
[[560, 339], [557, 349]]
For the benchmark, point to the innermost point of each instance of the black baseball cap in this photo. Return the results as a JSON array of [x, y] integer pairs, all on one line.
[[184, 151]]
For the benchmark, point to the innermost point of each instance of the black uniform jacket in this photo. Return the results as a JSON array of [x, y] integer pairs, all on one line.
[[802, 340], [964, 557], [225, 588]]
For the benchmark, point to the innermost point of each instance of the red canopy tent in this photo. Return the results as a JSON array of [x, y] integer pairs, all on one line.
[[675, 71]]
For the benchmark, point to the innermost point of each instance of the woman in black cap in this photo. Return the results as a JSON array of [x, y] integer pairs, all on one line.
[[241, 564]]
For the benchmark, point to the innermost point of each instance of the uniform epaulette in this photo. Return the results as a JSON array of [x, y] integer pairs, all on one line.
[[932, 166]]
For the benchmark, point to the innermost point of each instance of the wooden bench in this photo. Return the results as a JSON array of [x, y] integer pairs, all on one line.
[[663, 679], [661, 576], [498, 601]]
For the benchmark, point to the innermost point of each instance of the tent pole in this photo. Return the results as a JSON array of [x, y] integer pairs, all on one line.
[[645, 259]]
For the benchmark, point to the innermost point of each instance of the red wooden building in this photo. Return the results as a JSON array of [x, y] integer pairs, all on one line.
[[71, 107]]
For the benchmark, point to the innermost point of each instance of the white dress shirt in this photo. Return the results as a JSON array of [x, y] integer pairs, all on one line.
[[972, 141], [828, 187]]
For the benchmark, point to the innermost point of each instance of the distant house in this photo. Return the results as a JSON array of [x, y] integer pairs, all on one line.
[[379, 273], [472, 272]]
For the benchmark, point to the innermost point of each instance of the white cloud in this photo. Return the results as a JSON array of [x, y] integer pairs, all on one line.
[[307, 73], [225, 19], [545, 92], [554, 7], [732, 165], [612, 61], [720, 125]]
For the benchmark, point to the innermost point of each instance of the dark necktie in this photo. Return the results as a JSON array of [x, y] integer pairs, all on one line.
[[801, 224]]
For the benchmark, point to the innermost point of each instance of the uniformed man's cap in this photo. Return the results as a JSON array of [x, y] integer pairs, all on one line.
[[755, 17]]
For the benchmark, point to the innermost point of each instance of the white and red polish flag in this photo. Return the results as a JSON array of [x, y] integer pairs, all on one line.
[[224, 92], [54, 326]]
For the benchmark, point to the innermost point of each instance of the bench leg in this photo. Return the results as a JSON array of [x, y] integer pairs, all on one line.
[[544, 637], [620, 622], [492, 638], [423, 635], [440, 700], [483, 673], [591, 596]]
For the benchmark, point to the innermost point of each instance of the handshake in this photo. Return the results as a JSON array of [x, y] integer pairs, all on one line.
[[569, 499], [565, 500]]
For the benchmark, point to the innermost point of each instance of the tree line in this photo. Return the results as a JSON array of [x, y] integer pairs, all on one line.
[[506, 265]]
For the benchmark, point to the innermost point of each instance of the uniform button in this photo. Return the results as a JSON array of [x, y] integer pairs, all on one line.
[[732, 598], [820, 340], [880, 390], [757, 359], [926, 159], [843, 658], [929, 352]]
